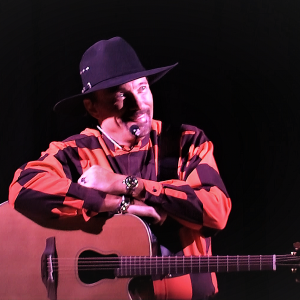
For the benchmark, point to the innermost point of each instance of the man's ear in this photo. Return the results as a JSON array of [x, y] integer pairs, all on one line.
[[91, 108]]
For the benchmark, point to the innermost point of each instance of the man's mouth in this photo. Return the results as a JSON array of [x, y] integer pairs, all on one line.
[[140, 116]]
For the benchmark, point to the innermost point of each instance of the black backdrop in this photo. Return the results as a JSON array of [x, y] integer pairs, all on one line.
[[237, 79]]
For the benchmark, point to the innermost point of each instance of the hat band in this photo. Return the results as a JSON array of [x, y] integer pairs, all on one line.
[[87, 87]]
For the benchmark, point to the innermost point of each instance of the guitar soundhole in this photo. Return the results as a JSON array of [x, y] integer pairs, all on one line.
[[93, 266]]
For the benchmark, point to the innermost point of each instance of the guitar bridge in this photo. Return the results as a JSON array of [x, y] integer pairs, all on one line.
[[49, 268]]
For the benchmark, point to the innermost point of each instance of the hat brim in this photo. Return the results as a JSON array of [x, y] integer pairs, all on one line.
[[73, 105]]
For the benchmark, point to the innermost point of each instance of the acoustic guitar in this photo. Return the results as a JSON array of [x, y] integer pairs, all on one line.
[[99, 259]]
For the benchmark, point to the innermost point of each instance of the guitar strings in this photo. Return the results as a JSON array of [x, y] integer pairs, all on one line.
[[165, 262]]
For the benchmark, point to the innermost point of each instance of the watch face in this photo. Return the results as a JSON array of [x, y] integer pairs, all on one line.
[[131, 182]]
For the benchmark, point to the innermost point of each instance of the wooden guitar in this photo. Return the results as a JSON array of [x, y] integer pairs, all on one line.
[[98, 259]]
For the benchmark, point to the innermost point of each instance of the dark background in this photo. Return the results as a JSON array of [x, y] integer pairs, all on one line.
[[237, 79]]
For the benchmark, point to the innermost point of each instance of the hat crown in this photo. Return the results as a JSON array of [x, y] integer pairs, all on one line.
[[108, 59]]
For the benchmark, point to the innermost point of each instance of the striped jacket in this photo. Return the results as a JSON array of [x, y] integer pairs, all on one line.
[[197, 200]]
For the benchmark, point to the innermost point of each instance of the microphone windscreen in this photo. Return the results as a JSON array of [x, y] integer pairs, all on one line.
[[135, 130]]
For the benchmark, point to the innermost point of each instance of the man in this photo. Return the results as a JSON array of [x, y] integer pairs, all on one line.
[[119, 166]]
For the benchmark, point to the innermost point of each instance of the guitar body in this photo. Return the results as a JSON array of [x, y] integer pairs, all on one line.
[[104, 258], [23, 242]]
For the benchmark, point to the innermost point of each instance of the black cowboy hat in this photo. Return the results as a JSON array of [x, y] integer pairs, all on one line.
[[106, 64]]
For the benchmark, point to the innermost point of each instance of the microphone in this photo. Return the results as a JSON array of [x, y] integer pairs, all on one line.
[[135, 130]]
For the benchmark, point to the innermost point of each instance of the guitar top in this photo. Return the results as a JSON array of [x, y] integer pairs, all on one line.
[[73, 259]]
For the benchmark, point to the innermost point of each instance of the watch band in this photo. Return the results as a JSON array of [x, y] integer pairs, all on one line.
[[124, 204]]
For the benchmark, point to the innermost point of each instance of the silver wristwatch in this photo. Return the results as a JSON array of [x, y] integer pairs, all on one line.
[[131, 184]]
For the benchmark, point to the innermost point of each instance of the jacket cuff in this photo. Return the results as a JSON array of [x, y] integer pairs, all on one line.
[[154, 191], [93, 199]]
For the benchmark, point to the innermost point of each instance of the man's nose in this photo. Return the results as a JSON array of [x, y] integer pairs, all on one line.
[[134, 102]]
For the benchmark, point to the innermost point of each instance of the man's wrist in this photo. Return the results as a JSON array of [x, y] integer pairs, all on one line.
[[136, 190], [124, 205], [140, 192]]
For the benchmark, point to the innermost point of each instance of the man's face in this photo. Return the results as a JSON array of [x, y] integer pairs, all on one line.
[[128, 104]]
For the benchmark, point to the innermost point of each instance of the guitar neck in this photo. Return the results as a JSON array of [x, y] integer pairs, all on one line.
[[141, 266]]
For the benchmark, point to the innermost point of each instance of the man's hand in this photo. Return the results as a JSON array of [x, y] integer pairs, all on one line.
[[101, 179], [104, 180], [143, 210], [138, 208]]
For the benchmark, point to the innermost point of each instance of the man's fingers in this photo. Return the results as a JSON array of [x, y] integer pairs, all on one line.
[[144, 211]]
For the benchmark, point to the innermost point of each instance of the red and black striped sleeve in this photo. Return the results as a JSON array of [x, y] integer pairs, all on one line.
[[199, 198], [48, 186]]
